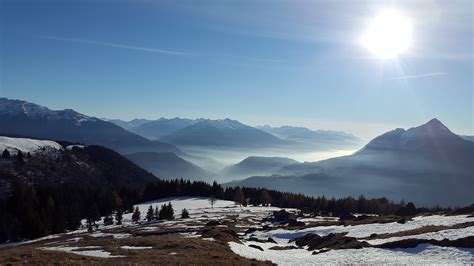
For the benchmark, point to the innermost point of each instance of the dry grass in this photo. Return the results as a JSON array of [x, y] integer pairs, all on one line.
[[166, 250]]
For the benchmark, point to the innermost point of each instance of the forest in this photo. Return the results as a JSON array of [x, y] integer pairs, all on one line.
[[34, 211]]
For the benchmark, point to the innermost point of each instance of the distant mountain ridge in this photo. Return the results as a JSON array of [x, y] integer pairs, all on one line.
[[128, 124], [427, 164], [222, 133], [318, 138], [31, 120], [170, 166], [255, 165], [231, 133], [162, 127]]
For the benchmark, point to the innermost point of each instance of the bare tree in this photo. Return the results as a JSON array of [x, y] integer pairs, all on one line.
[[212, 201]]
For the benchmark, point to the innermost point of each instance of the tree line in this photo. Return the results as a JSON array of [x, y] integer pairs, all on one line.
[[34, 210]]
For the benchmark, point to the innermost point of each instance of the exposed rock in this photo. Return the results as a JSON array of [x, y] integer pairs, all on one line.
[[250, 230], [331, 241], [295, 223], [271, 240], [362, 217], [254, 239], [466, 242], [347, 216], [218, 233], [266, 228], [316, 252], [257, 247], [402, 221], [282, 216], [213, 223], [283, 247]]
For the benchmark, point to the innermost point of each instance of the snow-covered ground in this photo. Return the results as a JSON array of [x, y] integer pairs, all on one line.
[[199, 208], [13, 145], [240, 218], [365, 230], [450, 234], [422, 254], [425, 254]]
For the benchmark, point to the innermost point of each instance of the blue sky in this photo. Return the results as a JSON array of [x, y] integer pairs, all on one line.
[[261, 62]]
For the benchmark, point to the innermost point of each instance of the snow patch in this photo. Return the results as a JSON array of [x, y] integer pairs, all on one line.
[[134, 247], [25, 145], [90, 251], [100, 234]]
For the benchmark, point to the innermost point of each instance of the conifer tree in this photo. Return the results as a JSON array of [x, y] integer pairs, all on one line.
[[136, 215], [19, 157], [265, 198], [239, 197], [150, 215], [108, 220], [157, 213], [6, 154], [166, 212], [184, 214], [118, 217]]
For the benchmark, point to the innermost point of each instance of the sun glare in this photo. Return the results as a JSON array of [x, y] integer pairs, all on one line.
[[388, 34]]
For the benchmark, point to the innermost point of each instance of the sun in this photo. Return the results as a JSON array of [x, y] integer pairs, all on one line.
[[388, 35]]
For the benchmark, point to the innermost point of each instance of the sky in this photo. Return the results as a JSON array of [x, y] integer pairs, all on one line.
[[261, 62]]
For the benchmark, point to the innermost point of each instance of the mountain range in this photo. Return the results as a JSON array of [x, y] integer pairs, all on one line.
[[426, 164], [317, 138], [231, 134], [162, 127], [255, 165], [32, 120], [222, 133], [128, 124], [21, 118]]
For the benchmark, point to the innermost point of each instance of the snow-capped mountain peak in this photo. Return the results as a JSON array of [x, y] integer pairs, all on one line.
[[222, 123], [17, 107]]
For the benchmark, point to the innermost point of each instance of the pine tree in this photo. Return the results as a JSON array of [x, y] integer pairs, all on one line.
[[166, 212], [19, 157], [265, 198], [118, 217], [108, 220], [157, 213], [150, 215], [93, 213], [6, 154], [136, 215], [184, 214], [239, 197]]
